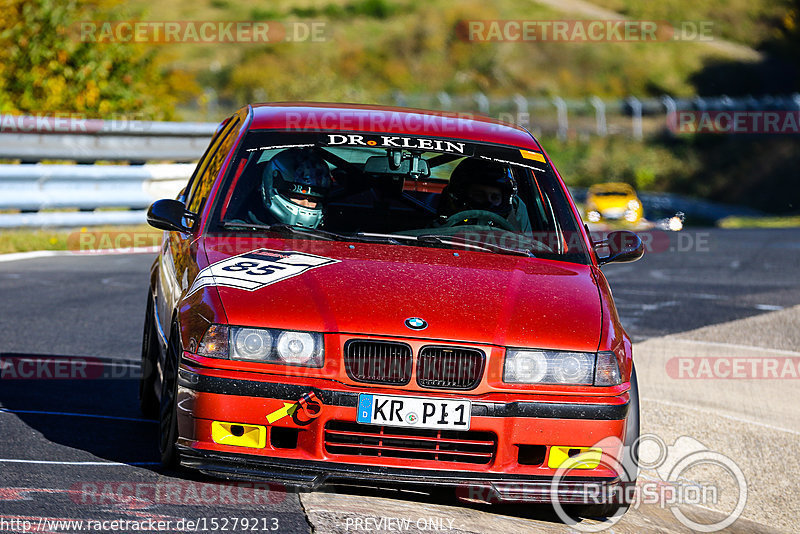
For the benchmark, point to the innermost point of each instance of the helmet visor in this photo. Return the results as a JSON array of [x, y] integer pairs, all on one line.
[[310, 177]]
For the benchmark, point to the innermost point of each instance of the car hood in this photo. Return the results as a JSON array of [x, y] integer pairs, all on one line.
[[370, 289], [612, 202]]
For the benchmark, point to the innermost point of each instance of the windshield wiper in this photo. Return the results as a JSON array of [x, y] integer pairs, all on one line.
[[280, 227], [316, 232], [311, 232], [366, 237], [448, 240], [393, 239], [460, 241]]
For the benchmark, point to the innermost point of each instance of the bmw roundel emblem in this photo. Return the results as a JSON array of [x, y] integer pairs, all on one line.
[[415, 323]]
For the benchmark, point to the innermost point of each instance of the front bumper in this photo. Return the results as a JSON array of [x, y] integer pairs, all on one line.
[[207, 397], [309, 476]]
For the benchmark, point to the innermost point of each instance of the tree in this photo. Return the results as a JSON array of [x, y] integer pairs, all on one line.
[[45, 66]]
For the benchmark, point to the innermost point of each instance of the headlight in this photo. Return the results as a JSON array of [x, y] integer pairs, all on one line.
[[543, 367], [575, 368], [298, 348], [263, 345], [593, 216], [251, 344], [631, 216], [525, 366], [633, 204]]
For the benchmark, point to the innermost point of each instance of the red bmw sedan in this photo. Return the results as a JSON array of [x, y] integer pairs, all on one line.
[[350, 293]]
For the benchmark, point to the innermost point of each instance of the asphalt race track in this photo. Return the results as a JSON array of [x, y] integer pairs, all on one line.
[[706, 277], [79, 449]]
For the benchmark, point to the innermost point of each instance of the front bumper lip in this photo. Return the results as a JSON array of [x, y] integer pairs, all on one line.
[[308, 475], [291, 392]]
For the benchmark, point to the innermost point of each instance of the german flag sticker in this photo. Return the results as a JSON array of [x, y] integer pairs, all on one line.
[[536, 156]]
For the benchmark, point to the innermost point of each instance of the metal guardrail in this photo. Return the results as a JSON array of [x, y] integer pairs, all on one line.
[[32, 189], [631, 116], [74, 138], [87, 187], [73, 219], [35, 189]]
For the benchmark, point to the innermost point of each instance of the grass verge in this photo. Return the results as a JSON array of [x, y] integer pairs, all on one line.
[[79, 239], [792, 221]]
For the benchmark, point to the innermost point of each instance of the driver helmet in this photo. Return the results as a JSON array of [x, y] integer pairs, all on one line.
[[294, 184], [479, 184]]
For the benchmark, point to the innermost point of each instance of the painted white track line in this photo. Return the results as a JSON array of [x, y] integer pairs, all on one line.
[[717, 413], [18, 256], [15, 256], [54, 462]]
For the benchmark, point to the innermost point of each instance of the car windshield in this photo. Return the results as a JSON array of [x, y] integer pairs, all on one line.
[[611, 193], [399, 190]]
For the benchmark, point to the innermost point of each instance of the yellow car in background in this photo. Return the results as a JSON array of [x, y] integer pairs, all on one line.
[[613, 201]]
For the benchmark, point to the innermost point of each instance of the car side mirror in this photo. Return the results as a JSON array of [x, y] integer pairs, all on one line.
[[170, 215], [623, 246]]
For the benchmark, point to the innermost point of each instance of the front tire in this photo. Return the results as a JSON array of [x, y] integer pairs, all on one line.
[[168, 410], [148, 402], [630, 459]]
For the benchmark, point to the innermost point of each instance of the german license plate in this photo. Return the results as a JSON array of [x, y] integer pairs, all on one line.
[[417, 412]]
